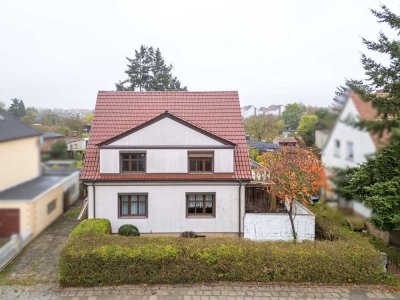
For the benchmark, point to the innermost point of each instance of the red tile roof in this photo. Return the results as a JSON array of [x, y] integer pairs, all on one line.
[[215, 112]]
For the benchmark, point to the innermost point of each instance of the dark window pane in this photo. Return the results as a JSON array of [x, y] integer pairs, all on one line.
[[141, 166], [192, 165], [209, 207], [199, 207], [125, 165], [125, 156], [208, 165]]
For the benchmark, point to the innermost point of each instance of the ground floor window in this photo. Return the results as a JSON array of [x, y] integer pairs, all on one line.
[[51, 206], [200, 204], [132, 205]]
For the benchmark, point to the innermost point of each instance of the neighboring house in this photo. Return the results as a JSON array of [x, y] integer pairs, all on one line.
[[48, 139], [29, 199], [289, 132], [168, 162], [321, 137], [262, 146], [286, 141], [348, 146], [76, 144], [248, 111]]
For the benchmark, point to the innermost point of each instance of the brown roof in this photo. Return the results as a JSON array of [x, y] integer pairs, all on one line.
[[217, 113]]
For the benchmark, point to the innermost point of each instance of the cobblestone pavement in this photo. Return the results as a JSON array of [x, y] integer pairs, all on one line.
[[234, 291], [38, 262]]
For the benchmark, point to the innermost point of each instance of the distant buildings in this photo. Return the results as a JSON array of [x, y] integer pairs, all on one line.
[[286, 141], [250, 110]]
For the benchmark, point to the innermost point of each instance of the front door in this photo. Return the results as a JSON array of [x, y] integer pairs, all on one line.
[[9, 222]]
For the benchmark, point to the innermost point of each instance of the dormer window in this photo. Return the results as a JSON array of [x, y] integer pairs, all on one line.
[[134, 162], [201, 162]]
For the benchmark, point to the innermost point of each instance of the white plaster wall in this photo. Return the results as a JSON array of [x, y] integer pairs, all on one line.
[[362, 141], [361, 209], [166, 132], [167, 160], [276, 227], [167, 207]]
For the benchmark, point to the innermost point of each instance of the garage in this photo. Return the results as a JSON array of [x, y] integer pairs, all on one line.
[[9, 222]]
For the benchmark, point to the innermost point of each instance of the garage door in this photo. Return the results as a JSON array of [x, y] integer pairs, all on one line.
[[9, 222]]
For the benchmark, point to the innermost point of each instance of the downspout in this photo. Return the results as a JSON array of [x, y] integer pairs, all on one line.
[[240, 207], [94, 200]]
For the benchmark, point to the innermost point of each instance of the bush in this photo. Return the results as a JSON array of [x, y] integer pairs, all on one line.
[[112, 260], [188, 234], [128, 230], [92, 227]]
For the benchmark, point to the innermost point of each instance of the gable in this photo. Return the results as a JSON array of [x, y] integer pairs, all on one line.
[[166, 132]]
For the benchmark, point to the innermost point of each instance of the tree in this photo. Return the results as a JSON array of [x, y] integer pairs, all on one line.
[[297, 174], [377, 183], [17, 108], [59, 150], [148, 71], [89, 118], [292, 114], [49, 118], [30, 116], [263, 127], [76, 124], [307, 127]]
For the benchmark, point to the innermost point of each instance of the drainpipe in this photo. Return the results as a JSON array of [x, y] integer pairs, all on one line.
[[94, 200], [240, 207]]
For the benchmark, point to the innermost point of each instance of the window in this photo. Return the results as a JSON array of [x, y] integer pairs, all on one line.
[[201, 162], [337, 148], [350, 151], [200, 204], [133, 162], [134, 205], [51, 206]]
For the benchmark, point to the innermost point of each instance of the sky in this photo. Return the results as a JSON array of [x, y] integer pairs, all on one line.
[[60, 53]]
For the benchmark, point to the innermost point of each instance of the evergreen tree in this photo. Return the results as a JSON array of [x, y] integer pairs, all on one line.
[[149, 72], [17, 108]]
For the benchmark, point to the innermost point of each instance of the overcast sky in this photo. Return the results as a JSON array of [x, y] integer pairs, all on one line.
[[60, 53]]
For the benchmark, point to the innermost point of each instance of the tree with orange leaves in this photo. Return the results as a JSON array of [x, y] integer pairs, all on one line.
[[297, 174]]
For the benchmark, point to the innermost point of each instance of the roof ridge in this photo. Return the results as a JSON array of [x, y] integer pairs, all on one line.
[[167, 92]]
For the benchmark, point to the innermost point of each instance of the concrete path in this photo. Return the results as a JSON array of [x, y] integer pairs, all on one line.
[[236, 291], [38, 262]]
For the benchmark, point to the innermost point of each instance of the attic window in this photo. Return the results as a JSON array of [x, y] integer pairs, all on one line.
[[201, 162], [133, 162]]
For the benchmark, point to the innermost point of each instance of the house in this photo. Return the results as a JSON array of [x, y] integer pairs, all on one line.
[[76, 145], [262, 147], [168, 162], [29, 199], [348, 146], [286, 141], [48, 139], [248, 111]]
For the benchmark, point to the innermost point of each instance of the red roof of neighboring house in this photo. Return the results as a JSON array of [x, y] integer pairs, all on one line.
[[368, 112], [217, 113]]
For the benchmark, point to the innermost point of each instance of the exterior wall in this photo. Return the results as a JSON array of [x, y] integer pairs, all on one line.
[[166, 160], [166, 132], [167, 207], [277, 227], [71, 184], [77, 145], [19, 161], [48, 143], [41, 219], [321, 137], [25, 213], [362, 142]]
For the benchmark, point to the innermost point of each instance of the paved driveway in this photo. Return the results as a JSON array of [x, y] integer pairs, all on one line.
[[38, 262]]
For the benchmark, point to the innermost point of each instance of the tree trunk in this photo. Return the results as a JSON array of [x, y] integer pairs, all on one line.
[[290, 213]]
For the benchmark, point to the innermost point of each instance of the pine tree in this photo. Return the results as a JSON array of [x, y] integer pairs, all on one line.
[[148, 71], [382, 87], [17, 108]]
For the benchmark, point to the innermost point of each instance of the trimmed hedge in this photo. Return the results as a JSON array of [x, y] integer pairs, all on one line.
[[128, 230], [92, 227], [112, 260]]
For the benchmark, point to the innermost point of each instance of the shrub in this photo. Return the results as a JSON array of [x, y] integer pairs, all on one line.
[[112, 260], [92, 227], [188, 234], [128, 230]]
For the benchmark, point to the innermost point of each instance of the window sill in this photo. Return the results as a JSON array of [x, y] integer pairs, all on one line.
[[132, 217], [200, 217]]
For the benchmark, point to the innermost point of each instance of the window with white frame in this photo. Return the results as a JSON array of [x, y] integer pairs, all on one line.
[[350, 151], [336, 150]]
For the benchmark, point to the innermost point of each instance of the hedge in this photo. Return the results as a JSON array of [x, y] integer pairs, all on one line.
[[112, 260], [92, 227]]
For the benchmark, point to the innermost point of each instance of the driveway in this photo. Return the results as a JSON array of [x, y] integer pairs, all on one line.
[[38, 262]]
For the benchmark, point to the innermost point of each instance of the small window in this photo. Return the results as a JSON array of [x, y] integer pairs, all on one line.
[[134, 205], [350, 151], [337, 148], [200, 204], [133, 162], [51, 206], [201, 162]]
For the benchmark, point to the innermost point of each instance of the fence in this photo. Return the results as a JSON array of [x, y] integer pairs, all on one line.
[[11, 249], [393, 260]]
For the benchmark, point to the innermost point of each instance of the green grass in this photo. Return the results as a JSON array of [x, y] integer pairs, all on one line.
[[73, 212]]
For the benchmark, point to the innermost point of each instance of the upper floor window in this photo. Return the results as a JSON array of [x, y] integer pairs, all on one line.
[[350, 151], [201, 162], [336, 151], [133, 162]]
